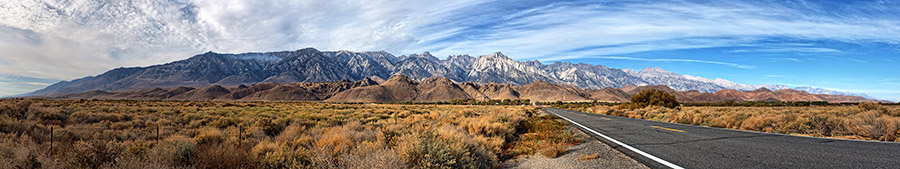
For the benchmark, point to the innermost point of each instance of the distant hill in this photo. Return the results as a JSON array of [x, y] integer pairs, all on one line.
[[311, 65], [401, 88]]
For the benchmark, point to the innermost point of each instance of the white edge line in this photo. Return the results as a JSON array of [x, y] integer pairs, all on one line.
[[651, 157]]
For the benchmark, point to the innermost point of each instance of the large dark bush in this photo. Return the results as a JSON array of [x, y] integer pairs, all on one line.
[[653, 97]]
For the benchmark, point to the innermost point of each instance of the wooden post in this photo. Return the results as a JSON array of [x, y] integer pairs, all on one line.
[[240, 135], [51, 141], [157, 135]]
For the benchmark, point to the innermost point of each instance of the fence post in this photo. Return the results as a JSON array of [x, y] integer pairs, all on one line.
[[240, 135], [157, 135], [51, 141]]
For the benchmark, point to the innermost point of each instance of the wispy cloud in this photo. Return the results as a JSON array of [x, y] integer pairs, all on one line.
[[889, 82], [888, 79], [788, 49], [857, 60], [678, 60], [786, 59]]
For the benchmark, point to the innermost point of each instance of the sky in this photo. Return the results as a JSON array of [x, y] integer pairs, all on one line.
[[840, 45]]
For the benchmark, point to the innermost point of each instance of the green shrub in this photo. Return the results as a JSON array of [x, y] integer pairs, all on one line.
[[285, 157], [869, 106], [223, 122], [428, 150], [653, 97], [180, 149], [271, 128], [210, 136]]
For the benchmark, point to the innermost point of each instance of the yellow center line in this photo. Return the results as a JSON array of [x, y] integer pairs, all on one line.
[[604, 118], [675, 130]]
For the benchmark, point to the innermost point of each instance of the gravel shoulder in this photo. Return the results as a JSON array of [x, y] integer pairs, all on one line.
[[607, 157]]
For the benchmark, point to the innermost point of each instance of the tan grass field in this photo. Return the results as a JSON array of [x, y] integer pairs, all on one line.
[[123, 134], [867, 121]]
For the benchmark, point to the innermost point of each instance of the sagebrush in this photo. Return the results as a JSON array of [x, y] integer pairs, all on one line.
[[170, 134]]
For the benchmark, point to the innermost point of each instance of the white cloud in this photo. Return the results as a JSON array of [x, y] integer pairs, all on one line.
[[788, 49], [26, 53], [679, 60], [71, 39], [856, 60]]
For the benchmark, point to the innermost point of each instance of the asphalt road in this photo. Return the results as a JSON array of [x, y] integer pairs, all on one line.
[[689, 146]]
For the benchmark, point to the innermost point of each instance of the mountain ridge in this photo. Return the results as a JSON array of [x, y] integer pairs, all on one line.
[[401, 88], [312, 65]]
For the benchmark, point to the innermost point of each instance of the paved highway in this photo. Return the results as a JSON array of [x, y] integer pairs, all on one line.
[[670, 145]]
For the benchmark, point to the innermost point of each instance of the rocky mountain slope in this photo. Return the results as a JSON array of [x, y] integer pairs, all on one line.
[[401, 88], [311, 65]]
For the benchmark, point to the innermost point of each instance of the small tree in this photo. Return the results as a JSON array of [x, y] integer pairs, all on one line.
[[653, 97]]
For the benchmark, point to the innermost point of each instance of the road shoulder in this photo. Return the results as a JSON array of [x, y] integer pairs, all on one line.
[[574, 157]]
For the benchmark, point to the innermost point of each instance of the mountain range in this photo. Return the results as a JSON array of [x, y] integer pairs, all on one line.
[[401, 88], [311, 65]]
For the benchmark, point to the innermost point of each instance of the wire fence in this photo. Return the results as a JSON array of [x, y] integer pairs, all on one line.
[[157, 134]]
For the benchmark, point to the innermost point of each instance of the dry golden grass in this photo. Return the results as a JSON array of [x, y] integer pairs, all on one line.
[[123, 134], [544, 134], [553, 150], [867, 121], [585, 157]]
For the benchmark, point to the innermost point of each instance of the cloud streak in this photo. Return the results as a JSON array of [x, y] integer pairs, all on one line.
[[678, 60]]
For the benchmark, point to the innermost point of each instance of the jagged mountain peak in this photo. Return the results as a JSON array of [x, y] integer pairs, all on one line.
[[457, 56], [497, 55], [424, 55], [654, 70], [308, 49], [312, 65]]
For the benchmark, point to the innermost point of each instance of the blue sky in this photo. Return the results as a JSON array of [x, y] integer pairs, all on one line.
[[847, 46]]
